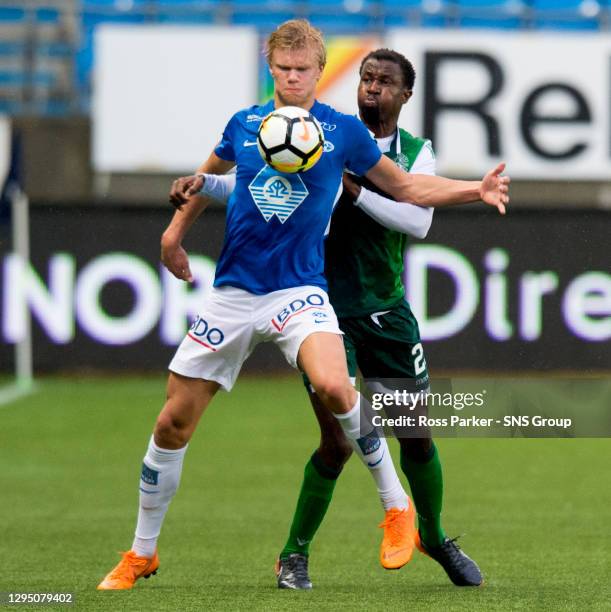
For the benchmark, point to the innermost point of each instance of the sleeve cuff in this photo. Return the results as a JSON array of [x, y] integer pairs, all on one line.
[[362, 197]]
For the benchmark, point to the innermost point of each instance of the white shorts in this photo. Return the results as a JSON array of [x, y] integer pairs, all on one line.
[[233, 321]]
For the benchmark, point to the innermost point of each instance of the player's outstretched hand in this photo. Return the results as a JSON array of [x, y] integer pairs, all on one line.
[[176, 260], [494, 189], [184, 188]]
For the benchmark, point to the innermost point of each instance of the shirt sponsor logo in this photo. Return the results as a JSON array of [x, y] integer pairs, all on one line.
[[202, 333], [253, 117], [312, 302], [328, 146], [278, 195], [329, 127]]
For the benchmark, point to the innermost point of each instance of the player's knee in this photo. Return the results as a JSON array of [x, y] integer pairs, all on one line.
[[333, 388]]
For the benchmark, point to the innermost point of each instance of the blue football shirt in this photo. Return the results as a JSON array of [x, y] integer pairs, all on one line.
[[276, 221]]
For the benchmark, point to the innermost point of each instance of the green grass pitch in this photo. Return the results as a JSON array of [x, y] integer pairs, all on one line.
[[536, 512]]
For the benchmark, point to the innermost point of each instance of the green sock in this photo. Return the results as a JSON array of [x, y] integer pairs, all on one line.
[[316, 492], [426, 482]]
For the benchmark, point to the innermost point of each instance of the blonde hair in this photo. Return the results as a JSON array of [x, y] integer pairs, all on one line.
[[296, 34]]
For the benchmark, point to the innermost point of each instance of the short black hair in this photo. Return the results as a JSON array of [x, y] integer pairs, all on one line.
[[407, 70]]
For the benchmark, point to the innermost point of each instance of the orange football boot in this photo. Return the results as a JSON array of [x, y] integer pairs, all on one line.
[[130, 568], [399, 535]]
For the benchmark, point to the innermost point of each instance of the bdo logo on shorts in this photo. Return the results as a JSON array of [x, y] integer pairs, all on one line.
[[207, 336], [314, 301]]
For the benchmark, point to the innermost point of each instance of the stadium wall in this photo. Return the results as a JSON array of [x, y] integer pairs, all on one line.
[[531, 291]]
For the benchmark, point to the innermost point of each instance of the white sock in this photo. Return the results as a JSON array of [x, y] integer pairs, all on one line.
[[374, 453], [159, 480]]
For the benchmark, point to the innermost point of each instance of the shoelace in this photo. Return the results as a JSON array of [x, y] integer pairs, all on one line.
[[453, 548], [394, 525]]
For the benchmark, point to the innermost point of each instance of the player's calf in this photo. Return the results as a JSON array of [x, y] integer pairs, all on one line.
[[334, 452], [334, 449], [171, 432], [416, 449]]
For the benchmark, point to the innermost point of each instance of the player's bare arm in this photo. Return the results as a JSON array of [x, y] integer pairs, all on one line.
[[351, 187], [185, 190], [436, 191]]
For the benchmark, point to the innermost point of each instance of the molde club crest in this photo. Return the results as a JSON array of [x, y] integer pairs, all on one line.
[[277, 194]]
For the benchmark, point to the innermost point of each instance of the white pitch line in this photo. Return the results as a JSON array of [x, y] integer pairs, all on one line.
[[11, 394]]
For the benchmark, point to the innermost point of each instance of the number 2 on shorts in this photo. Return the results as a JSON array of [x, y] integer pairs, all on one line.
[[419, 361]]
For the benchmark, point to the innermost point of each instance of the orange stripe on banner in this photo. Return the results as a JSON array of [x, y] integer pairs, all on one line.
[[344, 55]]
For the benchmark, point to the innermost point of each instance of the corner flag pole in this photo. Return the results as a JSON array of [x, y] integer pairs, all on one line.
[[14, 204], [24, 368]]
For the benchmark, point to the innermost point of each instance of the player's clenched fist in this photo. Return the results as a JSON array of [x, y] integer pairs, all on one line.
[[184, 188]]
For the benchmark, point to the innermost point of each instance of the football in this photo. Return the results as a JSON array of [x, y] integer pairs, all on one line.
[[290, 139]]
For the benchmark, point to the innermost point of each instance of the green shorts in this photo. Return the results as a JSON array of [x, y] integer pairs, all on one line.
[[385, 345]]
